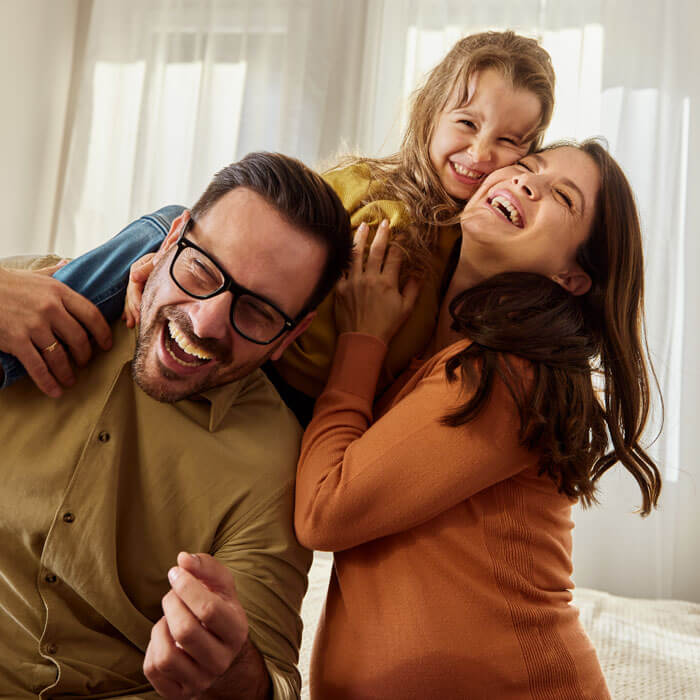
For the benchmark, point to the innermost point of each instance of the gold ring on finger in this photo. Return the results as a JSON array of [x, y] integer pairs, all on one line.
[[52, 347]]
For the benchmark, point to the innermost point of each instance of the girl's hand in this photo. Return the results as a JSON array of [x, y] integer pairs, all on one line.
[[369, 300], [139, 273]]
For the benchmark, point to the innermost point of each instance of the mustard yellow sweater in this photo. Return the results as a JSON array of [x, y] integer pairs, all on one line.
[[306, 364]]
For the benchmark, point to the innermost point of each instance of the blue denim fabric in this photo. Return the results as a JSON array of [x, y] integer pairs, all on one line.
[[102, 274]]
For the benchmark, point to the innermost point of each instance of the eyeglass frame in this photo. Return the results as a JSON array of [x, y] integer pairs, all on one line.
[[230, 285]]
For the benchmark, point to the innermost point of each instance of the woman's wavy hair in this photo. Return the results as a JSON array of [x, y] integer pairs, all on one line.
[[588, 400], [409, 176]]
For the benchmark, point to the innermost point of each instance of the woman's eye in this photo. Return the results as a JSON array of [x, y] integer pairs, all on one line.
[[566, 198], [512, 142]]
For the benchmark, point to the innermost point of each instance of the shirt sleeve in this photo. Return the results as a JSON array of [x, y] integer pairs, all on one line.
[[357, 482], [102, 274], [270, 571]]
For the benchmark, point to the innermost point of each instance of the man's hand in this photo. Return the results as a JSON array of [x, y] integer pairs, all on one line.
[[38, 316], [196, 647]]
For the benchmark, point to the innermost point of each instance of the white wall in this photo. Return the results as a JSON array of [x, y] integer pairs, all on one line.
[[36, 50]]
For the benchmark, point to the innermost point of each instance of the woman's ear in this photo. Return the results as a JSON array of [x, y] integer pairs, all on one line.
[[175, 230], [576, 281]]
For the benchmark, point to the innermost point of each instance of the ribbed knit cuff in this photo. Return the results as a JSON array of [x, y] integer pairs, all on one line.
[[357, 363]]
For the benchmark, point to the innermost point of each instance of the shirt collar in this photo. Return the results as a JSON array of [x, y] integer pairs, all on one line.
[[220, 398]]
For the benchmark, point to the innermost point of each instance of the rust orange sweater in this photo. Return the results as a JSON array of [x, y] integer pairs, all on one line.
[[452, 569]]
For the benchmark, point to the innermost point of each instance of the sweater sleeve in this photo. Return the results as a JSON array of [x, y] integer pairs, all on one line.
[[357, 482]]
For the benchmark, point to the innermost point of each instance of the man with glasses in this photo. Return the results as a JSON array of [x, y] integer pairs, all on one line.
[[146, 517]]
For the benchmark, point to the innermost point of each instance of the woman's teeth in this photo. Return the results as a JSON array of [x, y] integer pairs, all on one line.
[[186, 346], [466, 172], [501, 204]]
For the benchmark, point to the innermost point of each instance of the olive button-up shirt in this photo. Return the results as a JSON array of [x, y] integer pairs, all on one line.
[[100, 491]]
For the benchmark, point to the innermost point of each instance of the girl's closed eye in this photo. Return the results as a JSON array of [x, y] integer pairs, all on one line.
[[523, 164], [468, 123]]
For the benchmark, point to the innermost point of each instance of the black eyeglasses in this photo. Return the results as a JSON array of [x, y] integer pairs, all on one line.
[[198, 275]]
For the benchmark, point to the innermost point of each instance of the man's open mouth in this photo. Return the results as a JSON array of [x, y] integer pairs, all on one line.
[[182, 349], [505, 207]]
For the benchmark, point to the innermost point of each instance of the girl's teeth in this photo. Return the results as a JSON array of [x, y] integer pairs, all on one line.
[[472, 174]]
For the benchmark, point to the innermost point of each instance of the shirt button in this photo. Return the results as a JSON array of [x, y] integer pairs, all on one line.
[[68, 517], [51, 648], [103, 436], [50, 578]]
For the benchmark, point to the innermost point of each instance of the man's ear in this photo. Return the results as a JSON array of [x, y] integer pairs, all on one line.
[[175, 230], [576, 281], [293, 335]]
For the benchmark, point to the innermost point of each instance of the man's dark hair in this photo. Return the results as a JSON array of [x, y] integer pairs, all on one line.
[[302, 197]]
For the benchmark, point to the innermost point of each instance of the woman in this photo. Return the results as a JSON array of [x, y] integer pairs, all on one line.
[[449, 511]]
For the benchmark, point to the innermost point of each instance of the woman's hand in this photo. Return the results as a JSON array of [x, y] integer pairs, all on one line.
[[369, 300], [38, 316], [139, 273]]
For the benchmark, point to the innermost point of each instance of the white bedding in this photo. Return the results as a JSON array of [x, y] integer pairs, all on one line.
[[648, 649]]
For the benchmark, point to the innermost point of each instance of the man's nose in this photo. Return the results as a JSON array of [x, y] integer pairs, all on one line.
[[211, 318]]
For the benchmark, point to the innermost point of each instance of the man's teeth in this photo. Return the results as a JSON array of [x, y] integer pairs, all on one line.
[[184, 344], [471, 174], [505, 207]]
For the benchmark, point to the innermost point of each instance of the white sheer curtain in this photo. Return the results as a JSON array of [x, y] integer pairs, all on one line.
[[170, 90]]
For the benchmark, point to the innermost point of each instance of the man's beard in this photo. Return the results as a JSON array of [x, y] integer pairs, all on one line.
[[168, 386]]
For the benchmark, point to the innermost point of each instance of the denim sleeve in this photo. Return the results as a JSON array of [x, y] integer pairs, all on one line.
[[102, 274]]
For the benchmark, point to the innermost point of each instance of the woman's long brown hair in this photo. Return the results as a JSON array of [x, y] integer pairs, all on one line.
[[566, 412]]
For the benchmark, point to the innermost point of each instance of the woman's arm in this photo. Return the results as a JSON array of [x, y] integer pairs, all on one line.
[[100, 275], [357, 482]]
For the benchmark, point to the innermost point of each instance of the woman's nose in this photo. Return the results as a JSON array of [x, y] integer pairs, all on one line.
[[528, 184]]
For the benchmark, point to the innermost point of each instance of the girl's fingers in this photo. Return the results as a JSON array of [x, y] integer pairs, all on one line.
[[377, 251], [358, 249]]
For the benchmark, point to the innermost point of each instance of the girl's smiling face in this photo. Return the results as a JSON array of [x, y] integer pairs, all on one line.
[[493, 128]]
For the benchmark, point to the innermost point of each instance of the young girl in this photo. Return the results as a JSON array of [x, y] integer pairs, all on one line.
[[485, 105], [448, 502]]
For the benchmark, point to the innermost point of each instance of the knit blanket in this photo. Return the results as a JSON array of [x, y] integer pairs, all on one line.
[[647, 648]]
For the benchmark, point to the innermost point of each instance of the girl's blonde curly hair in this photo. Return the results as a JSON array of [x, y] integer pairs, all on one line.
[[409, 176]]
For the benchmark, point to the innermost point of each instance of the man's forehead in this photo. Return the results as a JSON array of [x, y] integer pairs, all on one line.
[[259, 247]]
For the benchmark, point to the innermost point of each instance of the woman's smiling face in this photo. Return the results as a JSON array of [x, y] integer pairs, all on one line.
[[532, 216]]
